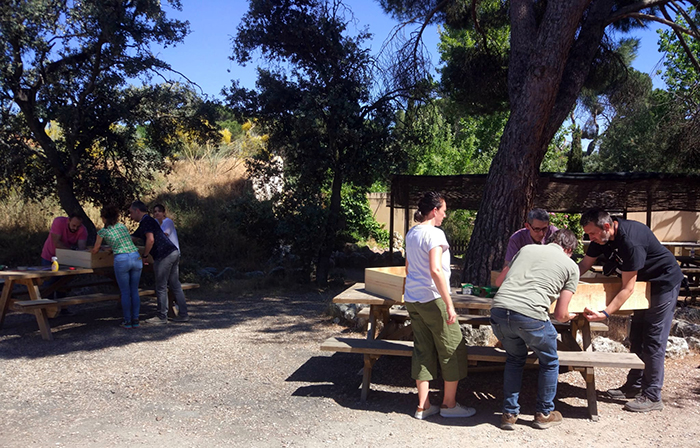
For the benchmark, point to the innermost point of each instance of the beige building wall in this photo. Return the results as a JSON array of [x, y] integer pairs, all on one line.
[[672, 226], [379, 203], [667, 226]]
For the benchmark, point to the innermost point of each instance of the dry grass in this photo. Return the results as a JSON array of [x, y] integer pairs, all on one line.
[[195, 192]]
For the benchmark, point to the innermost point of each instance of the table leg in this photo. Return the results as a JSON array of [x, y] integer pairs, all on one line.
[[5, 299], [42, 318]]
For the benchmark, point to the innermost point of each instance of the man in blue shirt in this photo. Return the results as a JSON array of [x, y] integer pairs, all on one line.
[[166, 261]]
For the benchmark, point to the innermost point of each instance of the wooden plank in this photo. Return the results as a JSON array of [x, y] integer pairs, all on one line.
[[98, 297], [358, 294], [596, 293], [478, 353], [84, 258], [40, 272], [30, 305], [368, 346]]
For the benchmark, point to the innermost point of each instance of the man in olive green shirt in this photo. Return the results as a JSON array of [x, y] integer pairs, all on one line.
[[537, 276]]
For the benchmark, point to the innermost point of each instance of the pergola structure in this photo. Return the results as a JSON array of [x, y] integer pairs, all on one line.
[[561, 192]]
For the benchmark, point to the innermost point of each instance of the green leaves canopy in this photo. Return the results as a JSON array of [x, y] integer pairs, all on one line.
[[70, 123]]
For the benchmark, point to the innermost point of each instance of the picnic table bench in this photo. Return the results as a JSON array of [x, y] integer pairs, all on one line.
[[387, 341]]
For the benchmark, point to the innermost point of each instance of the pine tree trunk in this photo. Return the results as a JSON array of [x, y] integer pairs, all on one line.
[[70, 204], [550, 59]]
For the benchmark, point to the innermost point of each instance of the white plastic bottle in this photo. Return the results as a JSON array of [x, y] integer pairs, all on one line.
[[54, 264]]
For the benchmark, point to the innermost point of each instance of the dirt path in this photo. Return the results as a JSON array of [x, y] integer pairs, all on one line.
[[247, 371]]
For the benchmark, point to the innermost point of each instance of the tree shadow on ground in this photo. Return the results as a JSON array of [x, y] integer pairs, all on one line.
[[339, 377], [95, 327]]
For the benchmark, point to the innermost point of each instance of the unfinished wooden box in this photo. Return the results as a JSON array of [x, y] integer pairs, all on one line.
[[596, 292], [86, 259], [386, 282]]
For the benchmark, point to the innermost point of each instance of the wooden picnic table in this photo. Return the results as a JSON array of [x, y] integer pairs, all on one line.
[[387, 341], [44, 308], [32, 279]]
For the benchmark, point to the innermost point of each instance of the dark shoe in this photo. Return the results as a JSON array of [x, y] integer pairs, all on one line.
[[126, 324], [643, 404], [135, 323], [547, 421], [624, 392], [181, 318], [155, 320], [508, 421]]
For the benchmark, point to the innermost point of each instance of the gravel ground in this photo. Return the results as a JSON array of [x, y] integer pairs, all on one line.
[[247, 371]]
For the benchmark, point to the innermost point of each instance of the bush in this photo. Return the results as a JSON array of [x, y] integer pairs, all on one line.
[[360, 224]]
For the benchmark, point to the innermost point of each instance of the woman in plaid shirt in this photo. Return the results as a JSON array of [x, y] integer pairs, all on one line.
[[127, 263]]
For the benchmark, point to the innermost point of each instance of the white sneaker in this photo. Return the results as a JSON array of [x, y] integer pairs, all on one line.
[[457, 411], [422, 414]]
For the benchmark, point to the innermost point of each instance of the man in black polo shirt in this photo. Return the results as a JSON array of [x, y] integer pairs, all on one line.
[[632, 249], [166, 260]]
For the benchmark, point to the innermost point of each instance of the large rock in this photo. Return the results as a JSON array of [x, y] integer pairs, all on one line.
[[477, 336], [602, 344], [676, 347], [694, 344], [685, 329]]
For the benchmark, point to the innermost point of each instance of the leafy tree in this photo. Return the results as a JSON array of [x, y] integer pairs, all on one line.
[[315, 101], [71, 127], [439, 140], [553, 47], [682, 75]]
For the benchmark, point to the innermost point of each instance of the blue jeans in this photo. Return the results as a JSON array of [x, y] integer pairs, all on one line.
[[127, 270], [517, 332], [167, 271]]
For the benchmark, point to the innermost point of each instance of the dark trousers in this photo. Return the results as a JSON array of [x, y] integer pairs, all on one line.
[[648, 337]]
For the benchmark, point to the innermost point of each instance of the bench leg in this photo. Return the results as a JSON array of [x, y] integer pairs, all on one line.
[[5, 300], [367, 375], [589, 376], [42, 318]]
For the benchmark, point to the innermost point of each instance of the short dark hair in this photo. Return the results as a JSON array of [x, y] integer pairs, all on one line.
[[429, 201], [110, 214], [597, 216], [565, 238], [75, 215], [139, 205], [537, 214], [159, 206]]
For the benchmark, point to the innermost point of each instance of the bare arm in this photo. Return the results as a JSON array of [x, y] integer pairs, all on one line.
[[502, 276], [98, 243], [149, 243], [441, 284], [561, 311], [628, 281], [57, 241], [585, 264]]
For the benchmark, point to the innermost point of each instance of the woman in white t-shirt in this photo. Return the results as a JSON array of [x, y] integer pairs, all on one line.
[[436, 334]]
